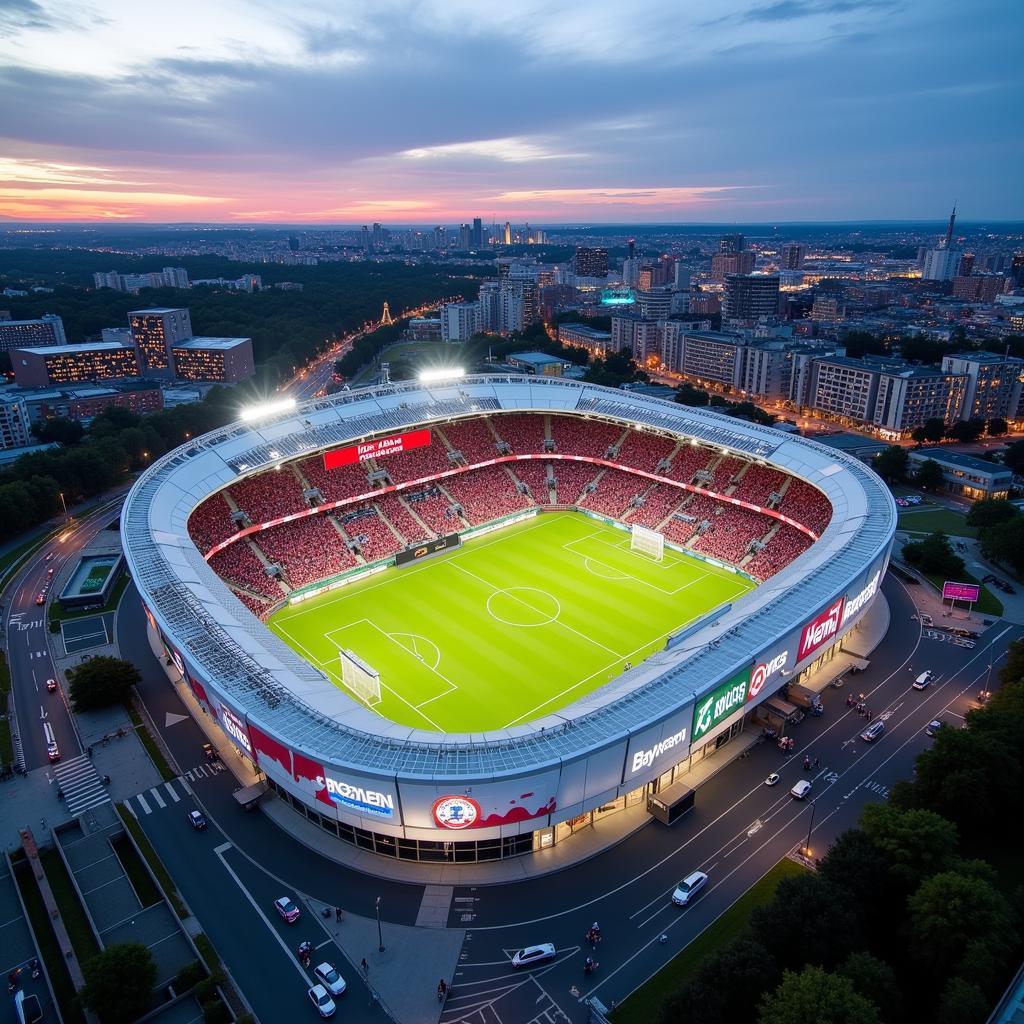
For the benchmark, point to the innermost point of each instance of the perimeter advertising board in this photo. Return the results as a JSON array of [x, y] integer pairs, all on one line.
[[714, 708], [382, 446], [456, 807], [658, 748], [429, 547]]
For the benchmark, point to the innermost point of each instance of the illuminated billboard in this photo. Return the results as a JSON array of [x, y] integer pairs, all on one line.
[[393, 445]]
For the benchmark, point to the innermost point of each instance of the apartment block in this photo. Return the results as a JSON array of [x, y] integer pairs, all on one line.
[[73, 364], [224, 360]]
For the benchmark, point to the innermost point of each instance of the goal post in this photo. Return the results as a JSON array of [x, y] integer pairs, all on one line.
[[362, 679], [647, 542]]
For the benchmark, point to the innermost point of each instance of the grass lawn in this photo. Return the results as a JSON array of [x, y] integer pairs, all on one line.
[[988, 603], [557, 605], [929, 520], [71, 910], [643, 1005]]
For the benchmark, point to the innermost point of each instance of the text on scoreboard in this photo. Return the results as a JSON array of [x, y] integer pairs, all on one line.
[[393, 445]]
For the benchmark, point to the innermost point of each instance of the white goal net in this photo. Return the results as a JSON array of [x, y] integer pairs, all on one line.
[[362, 679], [647, 542]]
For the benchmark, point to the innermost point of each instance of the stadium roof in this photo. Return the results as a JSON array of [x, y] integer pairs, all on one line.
[[285, 694]]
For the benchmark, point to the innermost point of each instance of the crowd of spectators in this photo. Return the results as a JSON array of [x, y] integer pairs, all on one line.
[[722, 474], [239, 565], [523, 432], [575, 436], [473, 438], [307, 549], [615, 491], [335, 484], [690, 459], [659, 501], [392, 506], [807, 505], [211, 522], [758, 484], [418, 462], [787, 545], [644, 451], [435, 511], [535, 475], [269, 495], [373, 535], [256, 605], [732, 530], [486, 494], [571, 478]]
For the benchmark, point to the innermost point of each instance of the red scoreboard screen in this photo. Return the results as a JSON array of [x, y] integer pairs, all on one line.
[[376, 449]]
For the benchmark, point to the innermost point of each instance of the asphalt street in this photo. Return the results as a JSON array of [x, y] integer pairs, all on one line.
[[42, 715]]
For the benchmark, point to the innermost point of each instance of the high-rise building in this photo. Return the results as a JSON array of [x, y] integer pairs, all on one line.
[[508, 233], [47, 330], [465, 238], [992, 386], [966, 265], [731, 243], [827, 309], [460, 321], [15, 429], [750, 297], [591, 262], [154, 333], [654, 303], [943, 262], [73, 364], [723, 264], [979, 287], [793, 256], [490, 307], [365, 238], [477, 239], [224, 360]]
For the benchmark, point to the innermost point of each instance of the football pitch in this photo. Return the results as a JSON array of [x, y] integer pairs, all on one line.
[[509, 627]]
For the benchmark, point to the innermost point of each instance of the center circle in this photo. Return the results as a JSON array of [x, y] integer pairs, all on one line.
[[523, 606]]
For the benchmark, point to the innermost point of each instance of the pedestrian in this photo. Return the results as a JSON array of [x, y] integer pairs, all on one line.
[[817, 761], [574, 992], [364, 967], [339, 914]]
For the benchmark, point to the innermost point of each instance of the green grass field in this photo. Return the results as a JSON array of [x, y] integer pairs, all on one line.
[[511, 626]]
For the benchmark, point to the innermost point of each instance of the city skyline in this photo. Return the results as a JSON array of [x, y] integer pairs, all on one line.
[[786, 111]]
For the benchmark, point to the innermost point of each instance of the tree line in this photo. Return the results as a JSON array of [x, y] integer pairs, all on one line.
[[915, 914]]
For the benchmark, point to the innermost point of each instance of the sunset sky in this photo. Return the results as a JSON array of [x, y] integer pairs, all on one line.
[[424, 111]]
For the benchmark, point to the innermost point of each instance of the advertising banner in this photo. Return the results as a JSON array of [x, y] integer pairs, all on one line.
[[718, 705], [655, 750], [821, 629], [393, 445], [235, 729], [345, 791], [767, 673], [960, 591], [856, 602], [429, 547], [274, 758]]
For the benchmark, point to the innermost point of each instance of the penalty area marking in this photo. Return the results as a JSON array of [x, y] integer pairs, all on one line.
[[611, 574]]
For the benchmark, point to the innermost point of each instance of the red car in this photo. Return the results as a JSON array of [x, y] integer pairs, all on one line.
[[40, 599], [52, 752], [51, 685]]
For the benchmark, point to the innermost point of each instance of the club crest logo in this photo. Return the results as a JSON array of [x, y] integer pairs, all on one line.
[[456, 812]]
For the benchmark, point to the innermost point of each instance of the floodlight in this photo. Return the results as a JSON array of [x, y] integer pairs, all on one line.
[[448, 373], [267, 409]]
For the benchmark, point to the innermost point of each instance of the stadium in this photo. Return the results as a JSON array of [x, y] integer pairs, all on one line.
[[455, 620]]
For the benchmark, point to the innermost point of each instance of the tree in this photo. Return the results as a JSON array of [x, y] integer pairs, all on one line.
[[991, 512], [59, 430], [916, 843], [963, 1003], [100, 682], [869, 974], [703, 999], [929, 475], [816, 995], [687, 394], [966, 430], [808, 920], [1013, 457], [119, 982], [1005, 543], [934, 555], [751, 412], [931, 430], [1012, 670], [891, 464], [996, 426]]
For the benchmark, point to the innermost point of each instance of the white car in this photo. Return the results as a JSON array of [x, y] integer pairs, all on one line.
[[688, 888], [933, 727], [329, 978], [531, 955], [321, 999], [923, 680], [801, 789], [772, 780]]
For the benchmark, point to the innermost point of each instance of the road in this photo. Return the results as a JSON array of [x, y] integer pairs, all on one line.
[[41, 714]]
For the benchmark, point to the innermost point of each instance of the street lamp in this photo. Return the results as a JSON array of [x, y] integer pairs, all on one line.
[[64, 506], [380, 934], [807, 845]]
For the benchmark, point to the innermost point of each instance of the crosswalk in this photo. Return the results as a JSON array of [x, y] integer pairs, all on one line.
[[81, 785], [158, 797]]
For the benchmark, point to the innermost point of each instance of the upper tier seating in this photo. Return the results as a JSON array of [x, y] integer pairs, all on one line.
[[335, 484], [807, 505], [644, 451], [758, 484], [268, 495], [690, 459], [307, 549], [583, 437], [524, 432], [211, 522], [473, 438], [417, 463]]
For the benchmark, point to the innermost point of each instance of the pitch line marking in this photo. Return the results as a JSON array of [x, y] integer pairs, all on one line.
[[510, 592]]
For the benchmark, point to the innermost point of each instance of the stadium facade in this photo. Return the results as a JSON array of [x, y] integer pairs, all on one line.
[[421, 795]]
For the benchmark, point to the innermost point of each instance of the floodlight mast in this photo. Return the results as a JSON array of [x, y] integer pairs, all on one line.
[[436, 376], [264, 410]]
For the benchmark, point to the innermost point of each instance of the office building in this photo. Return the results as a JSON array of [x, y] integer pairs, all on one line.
[[750, 297], [979, 287], [723, 264], [460, 321], [85, 401], [73, 364], [827, 309], [591, 262], [15, 429], [465, 242], [965, 475], [713, 357], [793, 256], [154, 333], [731, 243], [478, 233], [993, 387], [654, 303], [940, 265], [47, 330], [222, 360], [597, 343]]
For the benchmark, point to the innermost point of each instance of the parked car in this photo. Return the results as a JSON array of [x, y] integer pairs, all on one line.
[[872, 732], [329, 978], [688, 888], [801, 789], [286, 907], [197, 820], [933, 727], [321, 999], [51, 685], [923, 680], [926, 619], [529, 956]]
